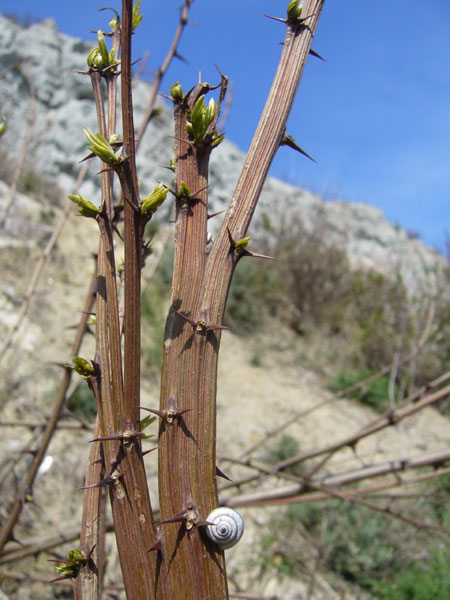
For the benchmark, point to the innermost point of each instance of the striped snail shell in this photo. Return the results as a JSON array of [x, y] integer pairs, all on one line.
[[227, 528]]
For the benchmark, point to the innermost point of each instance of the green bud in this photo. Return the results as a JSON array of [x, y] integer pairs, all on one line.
[[114, 138], [200, 118], [197, 113], [156, 198], [183, 189], [210, 111], [217, 139], [91, 58], [176, 91], [99, 57], [2, 126], [294, 10], [85, 206], [102, 47], [136, 18], [75, 556], [113, 23], [65, 570], [101, 147], [82, 366], [98, 61], [242, 243]]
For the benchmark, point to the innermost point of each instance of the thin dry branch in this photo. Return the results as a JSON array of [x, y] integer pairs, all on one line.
[[41, 424], [171, 54], [303, 485], [353, 496], [391, 418], [25, 146], [296, 415], [28, 480], [39, 268]]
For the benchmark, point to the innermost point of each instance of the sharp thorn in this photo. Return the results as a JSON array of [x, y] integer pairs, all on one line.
[[275, 18], [154, 411], [179, 518], [289, 141], [314, 53], [256, 255], [210, 216], [100, 483], [212, 327], [156, 546], [148, 451], [183, 316], [180, 57], [220, 473]]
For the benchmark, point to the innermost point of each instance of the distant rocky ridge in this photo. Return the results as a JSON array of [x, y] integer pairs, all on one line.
[[64, 107]]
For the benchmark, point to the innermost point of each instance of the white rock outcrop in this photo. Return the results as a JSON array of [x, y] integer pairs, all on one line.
[[64, 107]]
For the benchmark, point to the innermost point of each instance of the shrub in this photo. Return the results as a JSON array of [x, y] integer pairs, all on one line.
[[285, 447], [82, 403], [426, 581], [256, 293], [382, 323], [361, 546], [374, 394]]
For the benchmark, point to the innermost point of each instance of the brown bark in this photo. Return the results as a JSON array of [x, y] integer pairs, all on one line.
[[187, 460]]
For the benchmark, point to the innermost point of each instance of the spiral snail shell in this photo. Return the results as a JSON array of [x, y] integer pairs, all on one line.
[[227, 528]]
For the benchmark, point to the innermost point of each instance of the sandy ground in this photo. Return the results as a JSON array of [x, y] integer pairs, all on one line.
[[261, 382]]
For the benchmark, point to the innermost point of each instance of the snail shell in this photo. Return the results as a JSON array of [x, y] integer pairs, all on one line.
[[227, 528]]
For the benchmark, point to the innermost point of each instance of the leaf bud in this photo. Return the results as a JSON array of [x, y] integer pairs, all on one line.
[[101, 147], [183, 189], [65, 571], [210, 111], [102, 47], [83, 367], [242, 243], [217, 139], [152, 202], [176, 91], [75, 556], [91, 58], [294, 10], [85, 207], [197, 124], [2, 126], [136, 18]]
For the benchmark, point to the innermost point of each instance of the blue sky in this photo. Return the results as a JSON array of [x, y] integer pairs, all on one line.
[[375, 115]]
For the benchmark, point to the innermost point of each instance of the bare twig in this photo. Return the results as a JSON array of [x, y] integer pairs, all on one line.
[[334, 482], [389, 419], [296, 415], [172, 52], [39, 268], [24, 149], [28, 480]]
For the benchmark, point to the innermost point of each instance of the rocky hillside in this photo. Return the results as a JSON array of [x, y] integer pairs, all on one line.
[[64, 106], [259, 393]]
